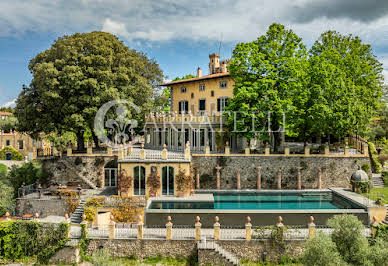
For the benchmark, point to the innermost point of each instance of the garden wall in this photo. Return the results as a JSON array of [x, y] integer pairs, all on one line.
[[336, 171], [66, 170], [44, 207]]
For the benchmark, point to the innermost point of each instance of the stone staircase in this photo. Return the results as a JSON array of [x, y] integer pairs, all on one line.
[[229, 258], [377, 180], [76, 217]]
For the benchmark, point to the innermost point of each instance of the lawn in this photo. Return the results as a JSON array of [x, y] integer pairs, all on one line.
[[378, 192]]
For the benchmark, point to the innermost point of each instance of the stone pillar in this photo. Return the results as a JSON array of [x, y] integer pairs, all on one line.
[[36, 217], [217, 228], [327, 149], [366, 151], [39, 190], [299, 178], [142, 152], [238, 179], [112, 229], [227, 148], [373, 227], [7, 216], [84, 225], [248, 229], [168, 228], [218, 168], [207, 148], [198, 228], [319, 178], [311, 227], [247, 151], [267, 150], [109, 150], [69, 151], [280, 229], [164, 152], [140, 226], [287, 150], [34, 153], [129, 148], [197, 179], [307, 149], [89, 148], [346, 150], [22, 190], [279, 178], [187, 150], [259, 177]]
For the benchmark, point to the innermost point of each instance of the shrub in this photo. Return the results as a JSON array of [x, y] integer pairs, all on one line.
[[383, 158], [376, 165], [365, 167], [347, 235], [90, 213], [384, 175], [183, 181], [72, 199], [321, 250], [128, 211], [16, 155], [102, 257], [379, 252], [7, 201], [3, 170]]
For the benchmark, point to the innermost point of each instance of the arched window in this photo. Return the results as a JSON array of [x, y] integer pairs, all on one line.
[[139, 174], [168, 180]]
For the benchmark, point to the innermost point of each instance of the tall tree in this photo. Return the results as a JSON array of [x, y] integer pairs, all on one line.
[[344, 87], [76, 76], [266, 72]]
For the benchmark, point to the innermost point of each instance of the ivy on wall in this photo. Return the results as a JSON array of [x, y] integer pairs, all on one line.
[[15, 154], [23, 239]]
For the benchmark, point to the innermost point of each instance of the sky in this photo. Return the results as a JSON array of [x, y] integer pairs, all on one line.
[[178, 34]]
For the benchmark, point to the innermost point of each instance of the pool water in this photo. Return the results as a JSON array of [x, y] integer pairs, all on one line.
[[263, 201]]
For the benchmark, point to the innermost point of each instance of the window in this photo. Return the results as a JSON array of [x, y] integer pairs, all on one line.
[[192, 95], [201, 87], [168, 180], [20, 144], [212, 93], [223, 84], [139, 174], [183, 107], [7, 142], [222, 103], [202, 105], [183, 89]]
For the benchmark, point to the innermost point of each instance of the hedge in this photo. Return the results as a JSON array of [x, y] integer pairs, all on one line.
[[374, 157], [16, 155], [25, 239], [384, 175]]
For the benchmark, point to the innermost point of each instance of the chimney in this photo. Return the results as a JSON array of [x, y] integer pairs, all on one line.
[[199, 72]]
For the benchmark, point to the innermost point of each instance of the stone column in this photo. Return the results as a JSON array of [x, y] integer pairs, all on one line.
[[366, 151], [164, 152], [346, 150], [311, 227], [217, 228], [89, 149], [168, 228], [307, 149], [259, 177], [319, 178], [327, 148], [238, 179], [140, 228], [198, 228], [197, 179], [112, 229], [187, 150], [267, 150], [247, 151], [279, 178], [248, 229], [299, 178], [207, 148], [129, 148], [287, 150], [142, 152], [218, 168], [280, 229], [227, 148]]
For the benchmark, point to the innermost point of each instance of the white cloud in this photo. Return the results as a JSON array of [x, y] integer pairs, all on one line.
[[10, 104]]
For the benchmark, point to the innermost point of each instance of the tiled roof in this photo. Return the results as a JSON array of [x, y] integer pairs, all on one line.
[[218, 75]]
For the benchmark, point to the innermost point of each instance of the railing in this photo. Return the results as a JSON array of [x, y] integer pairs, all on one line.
[[26, 190]]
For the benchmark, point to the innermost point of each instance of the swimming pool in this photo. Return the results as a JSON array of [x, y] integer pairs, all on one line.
[[264, 206], [262, 201]]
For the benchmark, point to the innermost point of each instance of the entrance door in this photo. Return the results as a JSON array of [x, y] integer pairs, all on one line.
[[168, 180], [110, 177], [8, 156]]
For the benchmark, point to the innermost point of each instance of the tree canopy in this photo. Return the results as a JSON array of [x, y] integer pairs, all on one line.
[[76, 76], [334, 89], [266, 72]]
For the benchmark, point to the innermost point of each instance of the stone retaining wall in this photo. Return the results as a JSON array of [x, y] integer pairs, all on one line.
[[64, 170], [336, 171], [44, 207]]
